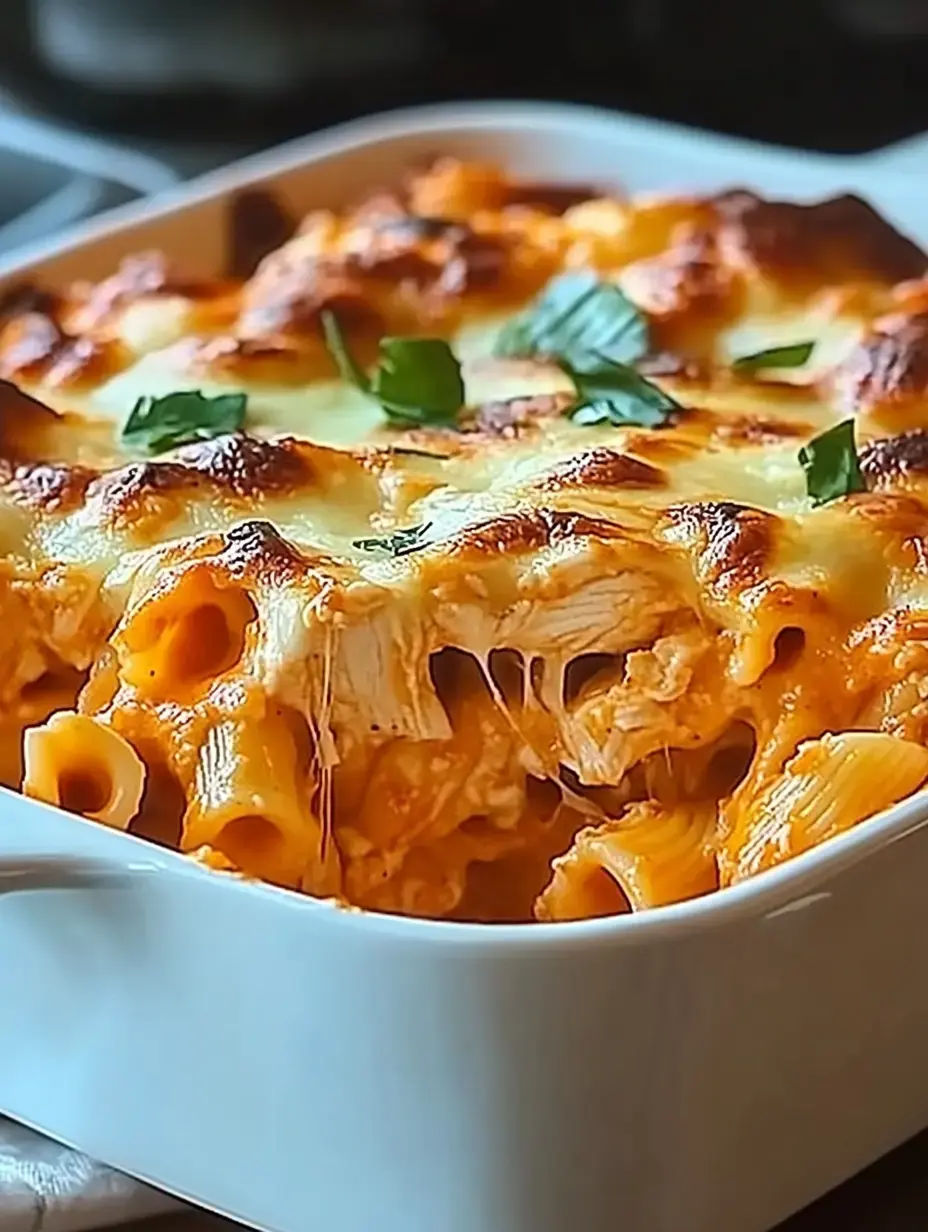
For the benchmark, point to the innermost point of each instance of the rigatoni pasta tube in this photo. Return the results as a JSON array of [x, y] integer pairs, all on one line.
[[251, 799], [828, 786], [82, 765], [185, 638], [650, 857]]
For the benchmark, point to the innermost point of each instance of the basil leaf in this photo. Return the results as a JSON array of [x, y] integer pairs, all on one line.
[[156, 424], [617, 394], [577, 318], [792, 355], [417, 380], [831, 464], [399, 543], [349, 368]]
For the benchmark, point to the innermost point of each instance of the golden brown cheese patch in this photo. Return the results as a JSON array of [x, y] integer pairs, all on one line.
[[900, 524], [732, 544], [603, 468], [687, 290], [434, 255], [253, 552], [529, 531], [145, 497], [138, 275], [887, 372], [247, 467], [35, 347], [50, 487], [249, 361], [394, 260], [842, 239], [242, 469], [889, 459], [92, 306], [290, 291]]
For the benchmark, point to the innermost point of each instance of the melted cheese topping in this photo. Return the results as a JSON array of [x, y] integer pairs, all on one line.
[[588, 680]]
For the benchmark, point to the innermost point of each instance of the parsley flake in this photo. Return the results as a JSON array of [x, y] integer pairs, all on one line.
[[792, 355], [399, 543], [617, 394], [157, 424], [831, 464], [416, 381], [578, 318]]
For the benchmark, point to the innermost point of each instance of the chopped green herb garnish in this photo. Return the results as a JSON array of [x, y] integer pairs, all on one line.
[[831, 464], [417, 380], [617, 394], [578, 319], [594, 332], [399, 543], [349, 368], [792, 355], [157, 424]]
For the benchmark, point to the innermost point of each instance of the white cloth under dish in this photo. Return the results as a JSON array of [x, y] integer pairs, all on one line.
[[47, 1187]]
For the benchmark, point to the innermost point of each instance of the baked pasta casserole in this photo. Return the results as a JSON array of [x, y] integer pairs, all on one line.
[[488, 550]]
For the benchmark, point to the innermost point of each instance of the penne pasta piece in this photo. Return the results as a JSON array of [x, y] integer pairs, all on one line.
[[251, 800], [827, 787], [183, 640], [82, 765], [650, 857]]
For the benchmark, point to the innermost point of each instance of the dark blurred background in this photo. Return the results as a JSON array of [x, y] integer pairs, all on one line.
[[232, 75]]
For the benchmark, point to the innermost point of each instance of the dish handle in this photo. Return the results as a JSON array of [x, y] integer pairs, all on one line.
[[23, 873]]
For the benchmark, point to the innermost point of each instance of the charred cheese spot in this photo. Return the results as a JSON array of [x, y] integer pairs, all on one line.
[[144, 498], [530, 531], [839, 240], [604, 468], [35, 347], [687, 291], [247, 466], [893, 458], [436, 255], [256, 549], [887, 372], [732, 544], [289, 292], [50, 488]]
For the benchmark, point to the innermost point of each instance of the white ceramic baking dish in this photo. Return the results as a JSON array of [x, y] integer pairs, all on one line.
[[709, 1066]]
